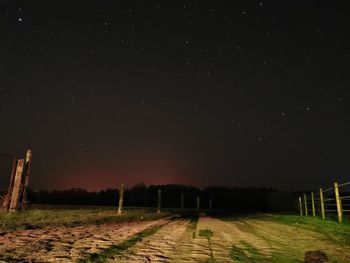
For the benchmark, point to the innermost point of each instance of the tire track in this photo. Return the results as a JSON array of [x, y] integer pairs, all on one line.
[[160, 247], [67, 244]]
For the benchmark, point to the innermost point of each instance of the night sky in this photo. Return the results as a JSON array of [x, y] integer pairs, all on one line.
[[235, 93]]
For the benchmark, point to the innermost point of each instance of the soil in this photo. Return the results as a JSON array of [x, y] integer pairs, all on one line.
[[67, 244], [244, 240]]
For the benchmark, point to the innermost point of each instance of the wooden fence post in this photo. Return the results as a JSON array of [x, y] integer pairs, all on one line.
[[300, 206], [338, 201], [210, 203], [17, 185], [182, 200], [159, 200], [7, 200], [313, 204], [198, 203], [305, 204], [26, 173], [121, 197], [322, 204]]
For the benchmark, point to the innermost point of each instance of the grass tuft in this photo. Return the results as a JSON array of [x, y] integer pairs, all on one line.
[[119, 248]]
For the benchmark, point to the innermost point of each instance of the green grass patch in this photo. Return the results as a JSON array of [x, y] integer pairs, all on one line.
[[331, 229], [71, 216], [245, 252], [205, 233], [208, 234], [119, 248]]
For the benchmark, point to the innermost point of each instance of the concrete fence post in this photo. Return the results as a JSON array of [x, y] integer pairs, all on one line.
[[338, 202], [313, 204], [121, 199], [17, 185], [323, 216], [198, 203], [300, 206], [159, 200], [305, 204], [26, 173]]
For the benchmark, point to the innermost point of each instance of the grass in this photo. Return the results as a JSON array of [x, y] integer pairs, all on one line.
[[205, 233], [119, 248], [331, 229], [208, 234], [245, 252], [56, 216], [193, 225]]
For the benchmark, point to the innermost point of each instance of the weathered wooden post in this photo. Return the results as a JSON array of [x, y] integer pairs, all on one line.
[[17, 185], [313, 204], [305, 204], [121, 196], [210, 204], [26, 173], [198, 204], [322, 204], [338, 201], [159, 200], [182, 200], [300, 206], [7, 199]]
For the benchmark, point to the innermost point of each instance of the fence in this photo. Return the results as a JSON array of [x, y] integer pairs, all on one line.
[[331, 201], [16, 182]]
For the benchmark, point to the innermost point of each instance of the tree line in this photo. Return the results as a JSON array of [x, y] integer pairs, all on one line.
[[240, 199]]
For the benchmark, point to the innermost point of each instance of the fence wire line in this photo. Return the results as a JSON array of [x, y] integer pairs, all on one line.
[[344, 184]]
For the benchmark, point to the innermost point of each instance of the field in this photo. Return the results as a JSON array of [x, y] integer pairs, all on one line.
[[97, 234]]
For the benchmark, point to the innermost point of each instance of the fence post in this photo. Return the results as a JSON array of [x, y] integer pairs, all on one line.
[[198, 204], [300, 206], [121, 197], [305, 204], [17, 185], [322, 204], [159, 200], [26, 173], [338, 200], [313, 204], [182, 200], [210, 203]]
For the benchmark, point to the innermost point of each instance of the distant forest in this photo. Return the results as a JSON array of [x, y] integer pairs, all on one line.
[[224, 198]]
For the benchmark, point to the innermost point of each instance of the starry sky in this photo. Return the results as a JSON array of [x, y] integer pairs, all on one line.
[[235, 93]]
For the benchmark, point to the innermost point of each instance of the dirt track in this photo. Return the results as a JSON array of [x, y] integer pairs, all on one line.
[[249, 240], [67, 244], [244, 240]]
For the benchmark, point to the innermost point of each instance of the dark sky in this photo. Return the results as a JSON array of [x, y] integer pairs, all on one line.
[[236, 93]]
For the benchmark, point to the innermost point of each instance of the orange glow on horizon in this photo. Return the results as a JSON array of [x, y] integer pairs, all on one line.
[[130, 172]]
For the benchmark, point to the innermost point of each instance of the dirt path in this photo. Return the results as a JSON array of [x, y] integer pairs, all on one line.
[[180, 240], [245, 240], [67, 244], [160, 247]]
